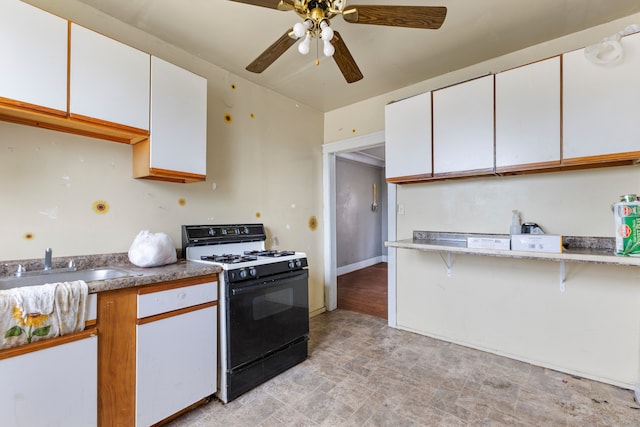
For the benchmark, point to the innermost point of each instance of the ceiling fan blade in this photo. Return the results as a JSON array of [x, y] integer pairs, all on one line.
[[426, 17], [271, 4], [345, 61], [272, 53]]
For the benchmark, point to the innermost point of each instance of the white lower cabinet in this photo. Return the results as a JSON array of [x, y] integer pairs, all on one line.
[[176, 364], [56, 386], [176, 351]]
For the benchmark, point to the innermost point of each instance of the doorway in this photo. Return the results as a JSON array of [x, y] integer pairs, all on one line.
[[330, 152]]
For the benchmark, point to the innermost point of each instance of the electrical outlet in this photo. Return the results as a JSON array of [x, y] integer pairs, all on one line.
[[400, 209]]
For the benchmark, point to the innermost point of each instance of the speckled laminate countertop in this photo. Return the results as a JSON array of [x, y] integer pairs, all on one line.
[[182, 269]]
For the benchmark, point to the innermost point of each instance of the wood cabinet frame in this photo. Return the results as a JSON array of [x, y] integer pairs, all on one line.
[[117, 320]]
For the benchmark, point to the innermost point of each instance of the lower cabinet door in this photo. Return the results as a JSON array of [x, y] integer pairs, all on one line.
[[56, 386], [176, 364]]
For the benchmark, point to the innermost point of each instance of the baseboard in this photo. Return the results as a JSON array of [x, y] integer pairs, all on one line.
[[359, 265], [314, 313]]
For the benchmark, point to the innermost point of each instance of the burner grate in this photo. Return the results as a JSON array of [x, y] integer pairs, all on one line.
[[271, 253], [228, 258]]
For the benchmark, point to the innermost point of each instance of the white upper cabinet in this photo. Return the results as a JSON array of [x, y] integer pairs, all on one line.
[[108, 80], [33, 48], [528, 114], [463, 127], [407, 125], [601, 103], [178, 119]]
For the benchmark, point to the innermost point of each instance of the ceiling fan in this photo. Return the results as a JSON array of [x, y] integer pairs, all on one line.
[[316, 16]]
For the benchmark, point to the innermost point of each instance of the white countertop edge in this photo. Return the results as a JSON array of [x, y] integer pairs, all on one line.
[[563, 256]]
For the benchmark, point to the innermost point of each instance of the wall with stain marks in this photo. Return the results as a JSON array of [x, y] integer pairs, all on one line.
[[76, 194]]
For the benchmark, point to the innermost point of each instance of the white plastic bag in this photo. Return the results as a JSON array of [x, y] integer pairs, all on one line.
[[152, 250]]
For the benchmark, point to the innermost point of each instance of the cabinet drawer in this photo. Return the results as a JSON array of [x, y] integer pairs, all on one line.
[[175, 299]]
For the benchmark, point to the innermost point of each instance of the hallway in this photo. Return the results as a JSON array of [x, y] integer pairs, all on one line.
[[364, 291]]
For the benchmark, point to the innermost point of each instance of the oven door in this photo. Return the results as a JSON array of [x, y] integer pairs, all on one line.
[[266, 314]]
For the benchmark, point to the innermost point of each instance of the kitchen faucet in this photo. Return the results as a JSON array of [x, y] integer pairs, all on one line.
[[47, 259]]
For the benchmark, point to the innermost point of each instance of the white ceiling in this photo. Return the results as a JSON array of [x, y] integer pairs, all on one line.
[[231, 35]]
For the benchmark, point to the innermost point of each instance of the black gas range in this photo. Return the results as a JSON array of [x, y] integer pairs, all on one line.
[[263, 306]]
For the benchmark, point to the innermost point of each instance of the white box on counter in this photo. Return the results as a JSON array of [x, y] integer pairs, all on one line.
[[489, 242], [537, 243]]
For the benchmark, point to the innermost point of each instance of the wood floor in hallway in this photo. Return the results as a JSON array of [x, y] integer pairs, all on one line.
[[364, 291]]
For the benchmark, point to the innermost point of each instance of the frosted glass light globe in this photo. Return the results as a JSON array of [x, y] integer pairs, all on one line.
[[299, 29], [303, 47], [328, 50], [327, 33]]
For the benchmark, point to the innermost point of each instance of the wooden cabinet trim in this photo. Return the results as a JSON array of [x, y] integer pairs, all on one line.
[[459, 174], [515, 169], [142, 167], [632, 157], [628, 159], [173, 313], [33, 115], [410, 178], [7, 106], [117, 326], [143, 133], [44, 344], [178, 283], [117, 357]]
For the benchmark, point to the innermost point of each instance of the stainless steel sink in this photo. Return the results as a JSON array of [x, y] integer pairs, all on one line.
[[91, 275]]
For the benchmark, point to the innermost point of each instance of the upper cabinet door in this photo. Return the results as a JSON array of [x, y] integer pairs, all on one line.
[[109, 81], [178, 119], [601, 103], [528, 114], [33, 48], [463, 127], [407, 126]]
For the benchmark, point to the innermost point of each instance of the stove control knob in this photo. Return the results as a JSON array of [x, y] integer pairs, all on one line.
[[243, 274], [298, 263], [253, 272], [212, 232], [246, 230], [292, 264]]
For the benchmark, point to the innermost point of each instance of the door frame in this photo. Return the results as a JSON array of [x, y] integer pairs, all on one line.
[[329, 152]]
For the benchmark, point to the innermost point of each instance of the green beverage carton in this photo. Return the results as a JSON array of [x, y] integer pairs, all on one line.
[[627, 219]]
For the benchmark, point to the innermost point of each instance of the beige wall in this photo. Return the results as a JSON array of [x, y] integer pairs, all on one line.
[[266, 164], [516, 307]]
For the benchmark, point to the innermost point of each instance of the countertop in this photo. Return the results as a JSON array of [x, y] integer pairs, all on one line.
[[594, 250], [182, 269]]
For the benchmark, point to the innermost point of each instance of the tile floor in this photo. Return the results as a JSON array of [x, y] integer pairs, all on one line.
[[362, 373]]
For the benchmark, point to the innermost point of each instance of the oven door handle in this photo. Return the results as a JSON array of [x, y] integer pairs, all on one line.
[[274, 283]]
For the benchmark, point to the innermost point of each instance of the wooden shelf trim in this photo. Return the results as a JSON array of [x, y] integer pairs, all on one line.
[[34, 115], [592, 162]]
